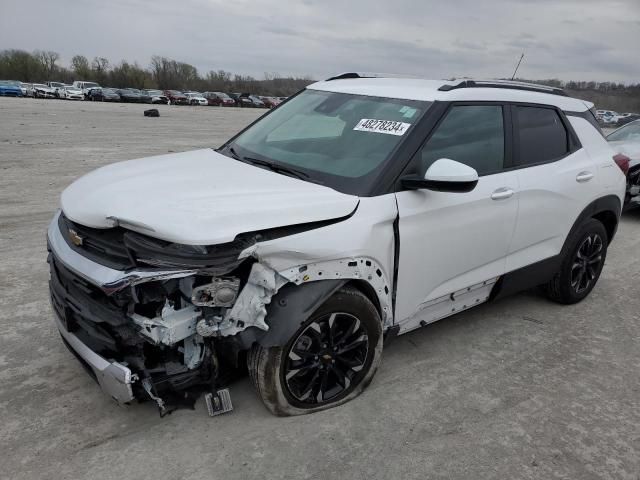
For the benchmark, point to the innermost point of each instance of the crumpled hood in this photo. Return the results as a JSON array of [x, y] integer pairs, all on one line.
[[630, 149], [198, 198]]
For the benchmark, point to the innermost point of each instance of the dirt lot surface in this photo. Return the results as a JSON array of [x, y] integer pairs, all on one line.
[[521, 388]]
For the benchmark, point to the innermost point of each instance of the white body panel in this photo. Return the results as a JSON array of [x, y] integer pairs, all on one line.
[[450, 241], [550, 200], [610, 178], [198, 198]]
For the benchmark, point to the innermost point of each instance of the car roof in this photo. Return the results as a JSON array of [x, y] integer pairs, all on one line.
[[451, 90]]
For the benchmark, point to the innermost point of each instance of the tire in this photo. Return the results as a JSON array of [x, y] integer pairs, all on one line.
[[284, 394], [584, 257]]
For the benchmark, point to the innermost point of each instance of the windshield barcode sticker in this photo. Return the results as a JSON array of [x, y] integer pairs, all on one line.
[[390, 127]]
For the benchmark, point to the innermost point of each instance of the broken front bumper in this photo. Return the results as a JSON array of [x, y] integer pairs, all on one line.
[[114, 379], [107, 279]]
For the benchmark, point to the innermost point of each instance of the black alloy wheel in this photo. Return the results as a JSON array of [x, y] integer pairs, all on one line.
[[326, 359], [586, 263], [583, 258]]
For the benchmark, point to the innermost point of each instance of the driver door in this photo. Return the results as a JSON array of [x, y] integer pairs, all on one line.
[[455, 241]]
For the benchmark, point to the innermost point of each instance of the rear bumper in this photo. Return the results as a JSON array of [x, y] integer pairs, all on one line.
[[115, 380]]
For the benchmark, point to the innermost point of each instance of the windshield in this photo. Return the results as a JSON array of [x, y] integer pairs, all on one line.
[[331, 134], [90, 85], [628, 133]]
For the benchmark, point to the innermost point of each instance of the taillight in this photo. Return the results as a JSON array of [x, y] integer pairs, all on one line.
[[623, 162]]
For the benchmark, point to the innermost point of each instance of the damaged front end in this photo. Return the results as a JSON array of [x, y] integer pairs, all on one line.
[[152, 320]]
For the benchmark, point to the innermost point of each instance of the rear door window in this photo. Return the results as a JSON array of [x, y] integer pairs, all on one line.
[[540, 135]]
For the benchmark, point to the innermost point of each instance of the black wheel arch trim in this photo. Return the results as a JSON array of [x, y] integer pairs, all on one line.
[[609, 204]]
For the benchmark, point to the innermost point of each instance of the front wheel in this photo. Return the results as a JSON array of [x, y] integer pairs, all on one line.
[[582, 264], [329, 360]]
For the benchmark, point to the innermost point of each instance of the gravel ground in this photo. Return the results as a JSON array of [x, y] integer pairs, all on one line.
[[521, 388]]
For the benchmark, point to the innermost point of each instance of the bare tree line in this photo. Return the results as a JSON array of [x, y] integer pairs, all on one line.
[[166, 73], [162, 72]]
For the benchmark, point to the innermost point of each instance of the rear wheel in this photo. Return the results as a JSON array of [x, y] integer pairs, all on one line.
[[582, 264], [329, 360]]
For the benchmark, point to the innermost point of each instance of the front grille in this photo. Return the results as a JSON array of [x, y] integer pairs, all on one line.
[[98, 320], [102, 245]]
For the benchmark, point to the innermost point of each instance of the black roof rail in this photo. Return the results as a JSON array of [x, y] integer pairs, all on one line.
[[531, 87], [347, 75]]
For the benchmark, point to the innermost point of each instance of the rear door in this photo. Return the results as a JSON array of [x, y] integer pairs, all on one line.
[[452, 241], [557, 180]]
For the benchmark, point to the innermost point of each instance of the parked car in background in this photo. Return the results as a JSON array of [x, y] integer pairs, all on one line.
[[157, 96], [96, 94], [70, 93], [144, 96], [27, 89], [129, 95], [40, 90], [8, 88], [625, 118], [110, 95], [57, 86], [85, 86], [219, 99], [195, 98], [257, 103], [241, 101], [270, 102], [626, 141], [176, 97], [607, 117]]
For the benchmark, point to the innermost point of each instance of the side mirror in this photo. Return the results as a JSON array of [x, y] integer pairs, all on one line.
[[444, 175]]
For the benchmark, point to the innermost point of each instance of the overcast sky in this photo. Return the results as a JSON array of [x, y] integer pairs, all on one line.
[[566, 39]]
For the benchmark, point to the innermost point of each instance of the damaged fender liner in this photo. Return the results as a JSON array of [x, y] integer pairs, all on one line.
[[289, 308]]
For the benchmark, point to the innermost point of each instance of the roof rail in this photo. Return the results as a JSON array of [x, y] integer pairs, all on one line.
[[347, 75], [531, 87]]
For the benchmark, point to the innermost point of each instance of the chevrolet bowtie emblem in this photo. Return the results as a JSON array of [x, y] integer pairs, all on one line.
[[75, 238]]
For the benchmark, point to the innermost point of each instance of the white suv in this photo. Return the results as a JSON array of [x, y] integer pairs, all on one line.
[[360, 209], [85, 86]]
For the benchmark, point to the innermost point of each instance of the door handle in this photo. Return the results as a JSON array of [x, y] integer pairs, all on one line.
[[502, 193], [584, 176]]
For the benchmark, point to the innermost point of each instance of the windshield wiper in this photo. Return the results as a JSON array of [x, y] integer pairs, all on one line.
[[271, 166], [277, 168], [233, 153]]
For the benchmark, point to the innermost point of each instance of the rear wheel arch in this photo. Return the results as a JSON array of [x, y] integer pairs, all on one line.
[[610, 221], [604, 209]]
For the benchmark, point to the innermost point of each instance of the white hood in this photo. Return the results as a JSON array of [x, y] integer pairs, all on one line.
[[198, 198]]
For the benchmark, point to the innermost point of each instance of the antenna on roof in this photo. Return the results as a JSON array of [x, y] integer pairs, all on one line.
[[517, 66]]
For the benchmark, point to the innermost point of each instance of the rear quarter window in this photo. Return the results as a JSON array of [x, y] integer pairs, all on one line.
[[541, 135]]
